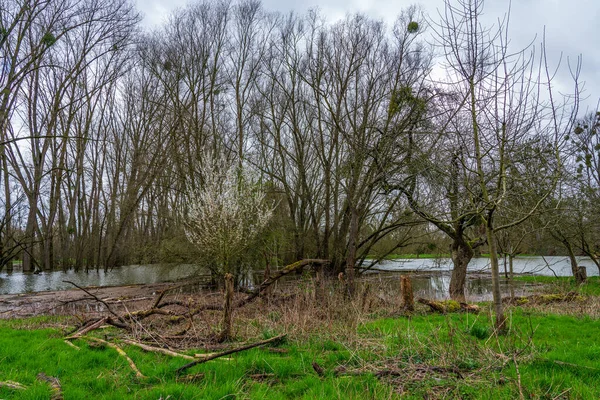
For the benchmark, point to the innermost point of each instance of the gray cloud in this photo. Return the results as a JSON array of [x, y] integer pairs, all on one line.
[[571, 27]]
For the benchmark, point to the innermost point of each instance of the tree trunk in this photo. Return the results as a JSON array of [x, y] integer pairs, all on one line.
[[351, 259], [462, 253], [227, 327], [408, 299], [574, 268], [498, 308], [511, 281]]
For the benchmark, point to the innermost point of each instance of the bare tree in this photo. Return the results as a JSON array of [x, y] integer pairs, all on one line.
[[500, 110]]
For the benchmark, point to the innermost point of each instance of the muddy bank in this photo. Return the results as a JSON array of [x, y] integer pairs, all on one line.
[[76, 301]]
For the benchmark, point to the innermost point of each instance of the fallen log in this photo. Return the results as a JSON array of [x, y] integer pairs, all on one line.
[[227, 352], [449, 306]]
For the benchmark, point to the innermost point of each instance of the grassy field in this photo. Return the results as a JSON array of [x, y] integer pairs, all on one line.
[[563, 284], [375, 355]]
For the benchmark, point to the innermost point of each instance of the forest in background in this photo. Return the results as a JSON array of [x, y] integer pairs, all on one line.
[[237, 137]]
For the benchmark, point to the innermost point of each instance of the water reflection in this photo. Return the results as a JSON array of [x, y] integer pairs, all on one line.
[[17, 282], [548, 266], [431, 277]]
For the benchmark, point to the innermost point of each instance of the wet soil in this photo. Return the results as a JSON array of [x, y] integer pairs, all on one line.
[[74, 301]]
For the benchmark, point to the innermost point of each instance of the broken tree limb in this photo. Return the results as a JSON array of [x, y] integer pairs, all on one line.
[[193, 309], [232, 351], [54, 385], [87, 328], [13, 385], [118, 317], [72, 345], [273, 278], [120, 351], [157, 349]]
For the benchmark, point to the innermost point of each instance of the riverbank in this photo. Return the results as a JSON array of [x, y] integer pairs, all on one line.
[[333, 349]]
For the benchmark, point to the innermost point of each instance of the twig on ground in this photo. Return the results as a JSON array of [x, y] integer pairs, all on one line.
[[521, 395], [72, 345], [157, 349], [13, 385], [54, 385], [119, 318], [120, 351], [232, 351], [87, 328]]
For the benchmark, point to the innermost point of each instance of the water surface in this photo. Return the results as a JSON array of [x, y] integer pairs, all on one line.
[[431, 277]]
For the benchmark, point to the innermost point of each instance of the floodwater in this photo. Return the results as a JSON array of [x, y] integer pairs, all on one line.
[[431, 277], [548, 266]]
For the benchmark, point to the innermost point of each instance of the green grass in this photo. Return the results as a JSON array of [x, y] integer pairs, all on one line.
[[99, 373], [556, 356], [564, 283]]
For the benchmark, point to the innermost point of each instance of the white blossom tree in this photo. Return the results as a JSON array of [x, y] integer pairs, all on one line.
[[226, 216]]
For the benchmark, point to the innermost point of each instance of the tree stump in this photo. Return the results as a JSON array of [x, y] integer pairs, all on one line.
[[408, 300]]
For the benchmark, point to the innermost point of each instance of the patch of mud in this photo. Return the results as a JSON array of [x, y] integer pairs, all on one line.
[[76, 301]]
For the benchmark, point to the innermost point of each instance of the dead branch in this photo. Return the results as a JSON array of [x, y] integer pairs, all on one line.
[[54, 385], [87, 328], [120, 351], [72, 345], [119, 318], [191, 378], [521, 395], [232, 351], [318, 369], [13, 385], [157, 349], [193, 309], [275, 277]]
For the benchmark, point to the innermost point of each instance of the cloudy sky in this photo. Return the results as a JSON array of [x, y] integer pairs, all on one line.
[[572, 26]]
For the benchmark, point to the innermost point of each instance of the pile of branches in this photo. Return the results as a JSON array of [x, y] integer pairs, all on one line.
[[164, 311]]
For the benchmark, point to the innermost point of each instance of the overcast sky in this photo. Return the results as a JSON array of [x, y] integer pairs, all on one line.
[[572, 26]]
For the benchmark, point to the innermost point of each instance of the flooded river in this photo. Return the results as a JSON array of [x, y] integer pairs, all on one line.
[[431, 277]]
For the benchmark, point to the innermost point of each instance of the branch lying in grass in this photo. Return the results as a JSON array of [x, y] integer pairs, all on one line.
[[232, 351], [158, 349], [12, 385], [120, 351], [72, 345], [54, 385], [90, 326]]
